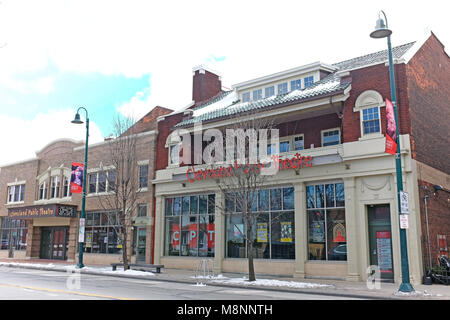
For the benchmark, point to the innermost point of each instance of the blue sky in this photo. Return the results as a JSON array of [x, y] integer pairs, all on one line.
[[126, 57], [99, 94]]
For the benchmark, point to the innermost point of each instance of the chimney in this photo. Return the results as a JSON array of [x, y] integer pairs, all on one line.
[[206, 84]]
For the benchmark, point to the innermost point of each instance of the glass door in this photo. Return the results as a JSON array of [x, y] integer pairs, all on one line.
[[380, 240]]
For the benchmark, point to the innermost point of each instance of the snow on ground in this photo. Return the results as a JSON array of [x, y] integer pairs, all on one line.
[[265, 282], [73, 268], [416, 294]]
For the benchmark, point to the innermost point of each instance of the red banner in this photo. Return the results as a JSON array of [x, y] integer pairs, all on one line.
[[193, 231], [211, 234], [391, 129], [176, 236], [76, 180]]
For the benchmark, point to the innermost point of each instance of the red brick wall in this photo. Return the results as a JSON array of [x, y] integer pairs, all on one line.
[[205, 86], [311, 128], [148, 122], [438, 207], [376, 78], [164, 129], [429, 97]]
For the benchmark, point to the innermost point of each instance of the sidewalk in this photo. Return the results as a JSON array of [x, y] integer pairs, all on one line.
[[275, 283]]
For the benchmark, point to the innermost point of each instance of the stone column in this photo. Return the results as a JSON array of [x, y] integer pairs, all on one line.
[[351, 223], [301, 230], [29, 239], [73, 240], [219, 228], [159, 229]]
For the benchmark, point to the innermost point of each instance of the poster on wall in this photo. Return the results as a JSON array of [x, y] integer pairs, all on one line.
[[318, 231], [211, 234], [286, 231], [88, 240], [384, 251], [261, 232], [339, 233], [193, 235], [175, 236], [76, 179]]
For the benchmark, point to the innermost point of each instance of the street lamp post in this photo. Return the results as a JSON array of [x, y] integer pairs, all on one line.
[[382, 31], [77, 120]]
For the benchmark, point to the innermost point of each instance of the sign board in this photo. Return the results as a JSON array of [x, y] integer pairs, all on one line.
[[404, 202], [81, 231], [384, 251], [404, 221], [43, 211]]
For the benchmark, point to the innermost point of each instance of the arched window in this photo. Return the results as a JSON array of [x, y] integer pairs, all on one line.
[[369, 104], [43, 190]]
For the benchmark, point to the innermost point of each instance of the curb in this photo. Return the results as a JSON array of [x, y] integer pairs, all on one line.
[[209, 283]]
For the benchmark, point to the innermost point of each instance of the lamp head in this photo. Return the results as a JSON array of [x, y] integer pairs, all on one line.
[[77, 119], [381, 31]]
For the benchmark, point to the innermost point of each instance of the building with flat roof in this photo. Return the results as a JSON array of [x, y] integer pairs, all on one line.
[[40, 215]]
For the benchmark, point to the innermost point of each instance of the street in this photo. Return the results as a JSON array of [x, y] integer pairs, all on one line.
[[26, 284]]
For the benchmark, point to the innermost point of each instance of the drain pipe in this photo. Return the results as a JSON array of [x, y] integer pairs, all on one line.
[[428, 232]]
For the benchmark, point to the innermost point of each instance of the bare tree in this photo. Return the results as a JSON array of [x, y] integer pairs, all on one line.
[[122, 179], [241, 187]]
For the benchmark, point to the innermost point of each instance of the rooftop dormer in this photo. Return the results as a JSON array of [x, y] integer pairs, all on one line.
[[282, 82]]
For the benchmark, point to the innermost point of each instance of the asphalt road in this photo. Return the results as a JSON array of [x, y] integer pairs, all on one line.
[[27, 284]]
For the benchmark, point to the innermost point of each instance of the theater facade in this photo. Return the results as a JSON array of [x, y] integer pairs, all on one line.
[[330, 211], [40, 215]]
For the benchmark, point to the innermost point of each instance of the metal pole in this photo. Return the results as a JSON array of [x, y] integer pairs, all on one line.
[[405, 285], [83, 203]]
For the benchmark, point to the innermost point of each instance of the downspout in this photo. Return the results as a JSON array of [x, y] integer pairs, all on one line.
[[428, 231], [152, 257]]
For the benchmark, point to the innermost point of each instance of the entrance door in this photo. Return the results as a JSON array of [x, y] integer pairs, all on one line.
[[53, 243], [46, 243], [380, 240], [141, 240], [59, 243]]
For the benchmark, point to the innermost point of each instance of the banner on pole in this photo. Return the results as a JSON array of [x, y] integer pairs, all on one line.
[[76, 180], [391, 129]]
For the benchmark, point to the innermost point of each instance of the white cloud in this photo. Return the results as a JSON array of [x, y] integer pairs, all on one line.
[[22, 138], [167, 38], [43, 85]]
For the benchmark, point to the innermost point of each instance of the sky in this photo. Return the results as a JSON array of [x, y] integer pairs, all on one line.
[[126, 57]]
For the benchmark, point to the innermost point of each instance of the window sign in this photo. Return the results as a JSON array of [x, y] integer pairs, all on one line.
[[384, 251], [261, 232]]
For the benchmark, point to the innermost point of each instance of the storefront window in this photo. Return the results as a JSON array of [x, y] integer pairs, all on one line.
[[326, 222], [235, 237], [14, 232], [273, 228], [189, 226], [102, 233]]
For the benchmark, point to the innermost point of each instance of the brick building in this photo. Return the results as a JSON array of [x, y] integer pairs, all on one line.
[[339, 213], [39, 216]]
